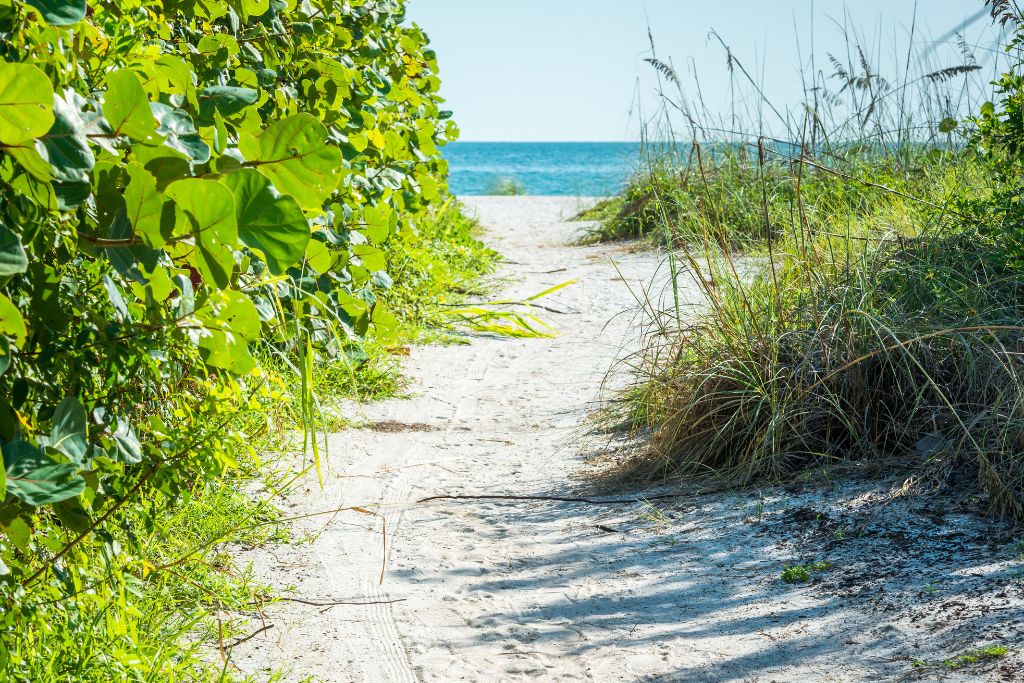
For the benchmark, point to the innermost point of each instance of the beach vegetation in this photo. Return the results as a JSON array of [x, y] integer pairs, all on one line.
[[845, 295], [970, 658], [506, 187], [801, 573], [214, 217]]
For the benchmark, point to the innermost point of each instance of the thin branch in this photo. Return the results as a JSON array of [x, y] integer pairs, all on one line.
[[554, 499], [335, 603], [248, 637]]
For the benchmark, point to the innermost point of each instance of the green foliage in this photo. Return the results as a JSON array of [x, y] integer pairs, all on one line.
[[726, 196], [506, 187], [186, 187], [436, 266], [998, 137], [875, 322], [801, 573], [146, 617], [967, 659], [890, 352]]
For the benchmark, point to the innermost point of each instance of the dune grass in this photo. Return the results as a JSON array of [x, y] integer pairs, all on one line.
[[741, 196], [897, 357], [874, 324], [506, 187]]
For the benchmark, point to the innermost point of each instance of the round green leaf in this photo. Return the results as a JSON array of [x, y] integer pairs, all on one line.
[[255, 8], [11, 322], [295, 155], [209, 208], [12, 255], [127, 108], [28, 155], [172, 75], [232, 321], [72, 515], [67, 434], [146, 207], [377, 221], [226, 351], [233, 312], [319, 257], [66, 145], [60, 12], [225, 99], [180, 133], [268, 222], [35, 479], [26, 103], [127, 447]]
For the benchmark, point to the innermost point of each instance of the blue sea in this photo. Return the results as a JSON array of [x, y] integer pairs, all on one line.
[[540, 168]]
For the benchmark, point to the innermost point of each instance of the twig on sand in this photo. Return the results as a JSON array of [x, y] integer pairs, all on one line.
[[587, 501], [549, 309], [553, 499], [326, 606], [335, 603], [249, 637]]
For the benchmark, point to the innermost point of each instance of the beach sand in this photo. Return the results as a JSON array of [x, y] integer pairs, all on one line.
[[686, 589]]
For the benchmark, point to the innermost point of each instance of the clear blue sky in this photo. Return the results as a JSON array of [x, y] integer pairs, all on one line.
[[554, 70]]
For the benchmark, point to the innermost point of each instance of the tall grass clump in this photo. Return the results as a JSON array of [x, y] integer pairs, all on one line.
[[506, 187], [739, 196], [875, 322], [867, 355]]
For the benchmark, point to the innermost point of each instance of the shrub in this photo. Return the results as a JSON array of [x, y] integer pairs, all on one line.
[[871, 355], [185, 186]]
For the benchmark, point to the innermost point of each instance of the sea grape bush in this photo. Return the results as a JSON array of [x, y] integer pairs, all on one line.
[[997, 134], [184, 186]]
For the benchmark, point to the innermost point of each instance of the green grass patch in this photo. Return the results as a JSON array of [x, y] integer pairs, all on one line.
[[801, 573], [506, 187], [163, 611], [735, 201], [436, 267], [967, 659]]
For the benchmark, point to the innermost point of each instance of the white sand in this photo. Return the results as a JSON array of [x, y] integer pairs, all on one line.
[[686, 591]]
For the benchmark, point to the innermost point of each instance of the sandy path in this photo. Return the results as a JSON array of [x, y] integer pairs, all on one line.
[[488, 591]]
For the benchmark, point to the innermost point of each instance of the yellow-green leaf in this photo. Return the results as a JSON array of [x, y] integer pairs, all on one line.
[[295, 155], [26, 103], [11, 322]]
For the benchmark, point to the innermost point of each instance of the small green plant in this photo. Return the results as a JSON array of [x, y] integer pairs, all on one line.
[[970, 658], [506, 187], [654, 514], [759, 510], [796, 574], [801, 573]]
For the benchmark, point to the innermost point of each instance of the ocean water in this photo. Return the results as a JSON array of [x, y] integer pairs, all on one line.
[[541, 168]]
